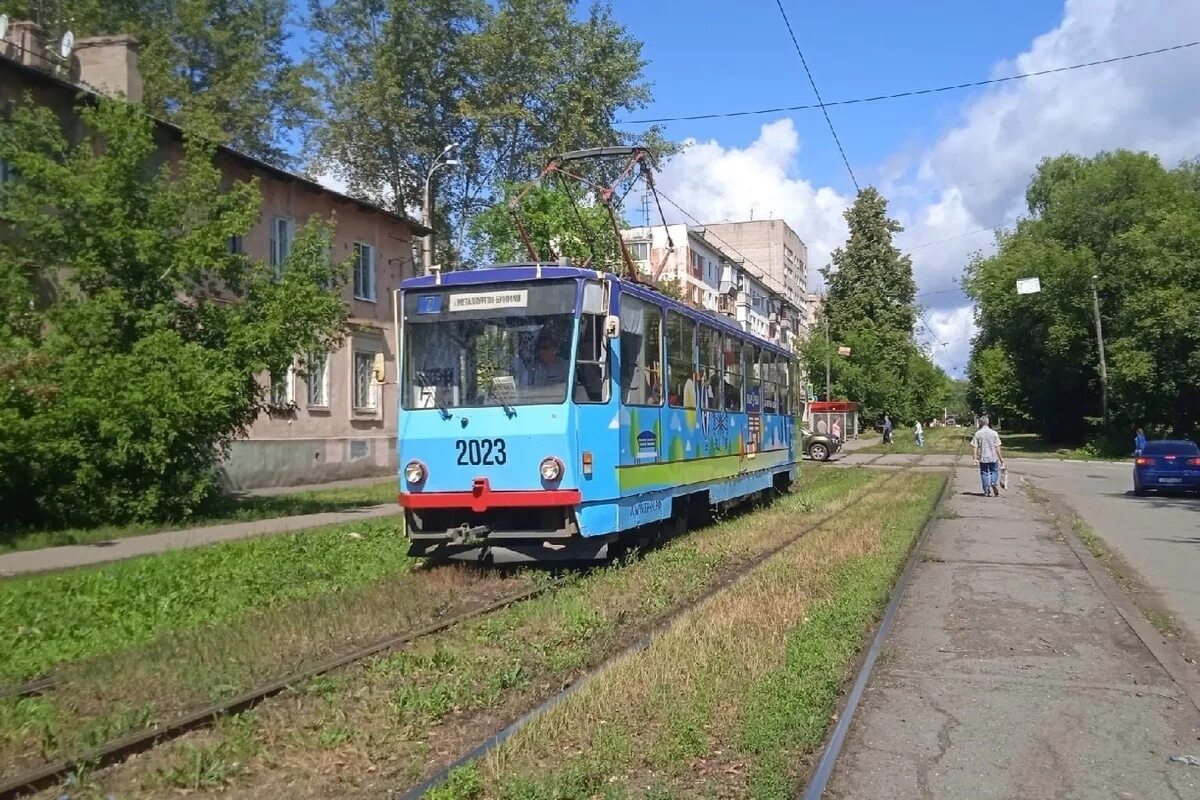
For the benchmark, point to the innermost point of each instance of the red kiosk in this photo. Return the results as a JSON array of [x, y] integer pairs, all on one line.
[[822, 415]]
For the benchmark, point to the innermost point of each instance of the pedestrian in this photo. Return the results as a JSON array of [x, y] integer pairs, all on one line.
[[887, 429], [837, 430], [919, 434], [1139, 442], [988, 455]]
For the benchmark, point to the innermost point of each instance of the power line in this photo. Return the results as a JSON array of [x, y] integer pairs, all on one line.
[[915, 92], [820, 102]]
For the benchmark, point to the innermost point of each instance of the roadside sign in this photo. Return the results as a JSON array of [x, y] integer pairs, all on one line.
[[1028, 286], [843, 351]]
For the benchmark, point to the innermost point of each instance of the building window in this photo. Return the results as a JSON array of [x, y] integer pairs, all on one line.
[[236, 246], [641, 352], [639, 251], [364, 380], [364, 271], [283, 389], [681, 360], [282, 231], [318, 380]]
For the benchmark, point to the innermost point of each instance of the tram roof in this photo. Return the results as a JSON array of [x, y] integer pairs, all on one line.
[[531, 271]]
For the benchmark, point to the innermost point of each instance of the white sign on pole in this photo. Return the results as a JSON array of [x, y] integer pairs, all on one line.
[[1028, 286]]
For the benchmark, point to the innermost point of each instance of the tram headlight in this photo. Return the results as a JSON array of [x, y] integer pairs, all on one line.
[[551, 469], [414, 472]]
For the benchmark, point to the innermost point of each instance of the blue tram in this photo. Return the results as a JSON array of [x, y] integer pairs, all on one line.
[[549, 412]]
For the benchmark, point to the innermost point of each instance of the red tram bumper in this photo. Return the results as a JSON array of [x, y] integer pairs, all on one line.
[[482, 498]]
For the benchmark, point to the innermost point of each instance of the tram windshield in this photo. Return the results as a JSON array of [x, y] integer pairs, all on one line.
[[468, 347]]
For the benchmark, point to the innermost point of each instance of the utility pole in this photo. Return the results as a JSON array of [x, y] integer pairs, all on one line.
[[426, 212], [1100, 343], [827, 382]]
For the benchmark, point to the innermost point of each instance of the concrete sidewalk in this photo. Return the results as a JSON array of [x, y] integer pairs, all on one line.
[[1009, 673], [79, 555]]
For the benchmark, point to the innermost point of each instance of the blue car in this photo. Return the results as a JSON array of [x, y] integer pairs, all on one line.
[[1167, 465]]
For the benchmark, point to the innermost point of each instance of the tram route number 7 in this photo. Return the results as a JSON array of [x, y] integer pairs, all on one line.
[[481, 451]]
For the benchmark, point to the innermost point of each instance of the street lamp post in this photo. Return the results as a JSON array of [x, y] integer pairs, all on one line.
[[827, 381], [1100, 344], [426, 212]]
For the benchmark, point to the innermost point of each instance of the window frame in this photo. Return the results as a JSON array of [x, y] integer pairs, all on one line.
[[712, 368], [323, 359], [360, 247], [288, 386], [277, 257], [372, 387], [603, 353], [733, 369]]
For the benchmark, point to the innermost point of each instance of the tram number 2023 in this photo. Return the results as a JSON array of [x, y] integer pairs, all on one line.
[[481, 451]]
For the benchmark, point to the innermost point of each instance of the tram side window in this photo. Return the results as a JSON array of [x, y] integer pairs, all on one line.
[[783, 375], [732, 388], [770, 387], [641, 352], [753, 379], [681, 360], [591, 382], [710, 369]]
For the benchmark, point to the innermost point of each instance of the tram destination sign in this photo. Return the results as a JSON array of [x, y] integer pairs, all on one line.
[[486, 301]]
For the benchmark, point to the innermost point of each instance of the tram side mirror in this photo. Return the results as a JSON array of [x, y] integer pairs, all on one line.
[[612, 326]]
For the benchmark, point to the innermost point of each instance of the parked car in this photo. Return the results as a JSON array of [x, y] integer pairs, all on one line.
[[1167, 465], [820, 446]]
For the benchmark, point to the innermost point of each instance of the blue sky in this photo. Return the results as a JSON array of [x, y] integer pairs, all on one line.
[[714, 55], [954, 165]]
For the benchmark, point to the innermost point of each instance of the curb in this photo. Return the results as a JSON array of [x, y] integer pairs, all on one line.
[[1183, 674]]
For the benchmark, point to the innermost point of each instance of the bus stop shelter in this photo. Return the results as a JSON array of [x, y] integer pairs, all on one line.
[[821, 416]]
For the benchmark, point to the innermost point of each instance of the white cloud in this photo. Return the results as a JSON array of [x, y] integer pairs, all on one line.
[[719, 184], [972, 178]]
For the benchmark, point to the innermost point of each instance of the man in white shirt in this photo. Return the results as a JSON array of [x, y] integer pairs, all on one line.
[[988, 455]]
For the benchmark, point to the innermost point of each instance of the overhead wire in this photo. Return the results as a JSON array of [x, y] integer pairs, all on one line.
[[915, 92], [821, 103]]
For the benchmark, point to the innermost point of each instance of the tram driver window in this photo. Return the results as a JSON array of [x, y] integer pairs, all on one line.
[[641, 352]]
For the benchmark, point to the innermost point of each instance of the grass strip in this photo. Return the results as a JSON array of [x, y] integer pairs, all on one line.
[[937, 441], [731, 700], [225, 509], [49, 620], [396, 718]]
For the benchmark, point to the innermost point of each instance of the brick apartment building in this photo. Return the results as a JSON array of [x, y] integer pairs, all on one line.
[[337, 423]]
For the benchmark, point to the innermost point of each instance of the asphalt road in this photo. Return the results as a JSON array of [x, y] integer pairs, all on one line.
[[1159, 537]]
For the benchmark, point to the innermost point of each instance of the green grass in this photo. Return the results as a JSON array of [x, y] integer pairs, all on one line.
[[1030, 445], [47, 620], [722, 705], [443, 690], [937, 440], [225, 509]]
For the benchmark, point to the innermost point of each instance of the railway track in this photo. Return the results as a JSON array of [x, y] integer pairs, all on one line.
[[119, 749], [122, 748], [498, 738]]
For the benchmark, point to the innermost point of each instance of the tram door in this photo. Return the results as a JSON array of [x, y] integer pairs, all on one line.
[[641, 382]]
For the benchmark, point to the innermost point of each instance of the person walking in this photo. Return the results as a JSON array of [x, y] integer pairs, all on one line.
[[985, 445], [837, 430], [887, 429], [1139, 442], [919, 434]]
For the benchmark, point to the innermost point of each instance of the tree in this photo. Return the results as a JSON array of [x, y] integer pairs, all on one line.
[[511, 82], [1135, 225], [131, 334], [870, 307], [557, 226], [221, 66]]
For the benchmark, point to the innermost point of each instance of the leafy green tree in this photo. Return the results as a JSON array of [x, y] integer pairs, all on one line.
[[511, 82], [221, 66], [870, 307], [1135, 225], [131, 335], [556, 225]]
